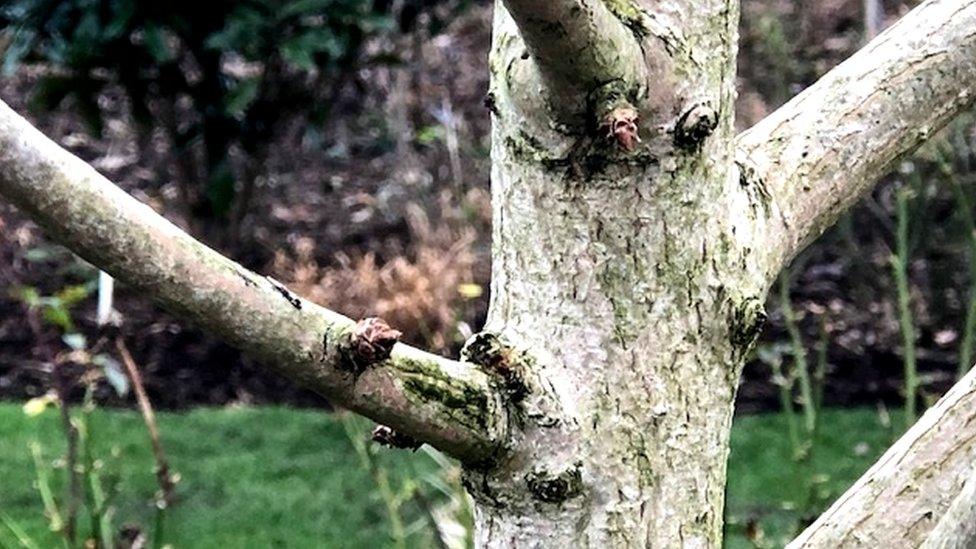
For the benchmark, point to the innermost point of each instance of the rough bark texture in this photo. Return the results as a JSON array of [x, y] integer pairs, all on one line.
[[579, 44], [911, 488], [615, 271], [814, 157], [449, 404], [957, 527], [636, 279]]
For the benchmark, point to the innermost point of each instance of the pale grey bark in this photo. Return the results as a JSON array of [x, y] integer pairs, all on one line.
[[616, 271], [578, 44], [638, 279], [916, 483], [957, 527], [448, 404], [805, 164]]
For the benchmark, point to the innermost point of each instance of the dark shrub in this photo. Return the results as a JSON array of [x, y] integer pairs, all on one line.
[[213, 74]]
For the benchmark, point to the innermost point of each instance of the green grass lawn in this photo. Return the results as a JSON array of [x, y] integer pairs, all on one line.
[[765, 485], [273, 477]]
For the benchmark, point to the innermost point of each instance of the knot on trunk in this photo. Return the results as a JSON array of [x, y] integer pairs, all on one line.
[[496, 357], [370, 342], [558, 488], [386, 436], [747, 319], [694, 127]]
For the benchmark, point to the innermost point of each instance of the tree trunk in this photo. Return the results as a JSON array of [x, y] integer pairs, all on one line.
[[618, 271], [634, 268]]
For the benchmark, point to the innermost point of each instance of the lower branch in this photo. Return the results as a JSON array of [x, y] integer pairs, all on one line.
[[448, 404], [913, 487], [805, 164]]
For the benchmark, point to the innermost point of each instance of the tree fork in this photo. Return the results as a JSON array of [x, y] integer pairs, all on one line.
[[608, 235], [634, 242]]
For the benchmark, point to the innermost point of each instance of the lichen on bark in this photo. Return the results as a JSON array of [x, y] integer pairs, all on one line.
[[630, 14]]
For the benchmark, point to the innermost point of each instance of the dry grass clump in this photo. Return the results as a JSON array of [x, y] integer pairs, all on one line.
[[431, 293]]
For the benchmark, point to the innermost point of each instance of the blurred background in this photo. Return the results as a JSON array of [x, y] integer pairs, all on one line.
[[341, 146]]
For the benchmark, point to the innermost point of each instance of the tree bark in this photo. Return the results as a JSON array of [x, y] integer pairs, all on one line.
[[577, 46], [639, 277], [616, 270], [809, 161], [957, 527]]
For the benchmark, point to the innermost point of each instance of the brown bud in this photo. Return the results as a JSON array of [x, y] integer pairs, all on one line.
[[371, 341], [386, 436], [621, 126]]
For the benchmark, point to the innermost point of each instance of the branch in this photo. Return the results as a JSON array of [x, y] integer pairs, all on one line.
[[580, 45], [912, 487], [810, 160], [445, 403]]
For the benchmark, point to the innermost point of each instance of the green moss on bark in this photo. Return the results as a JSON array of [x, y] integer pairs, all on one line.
[[746, 321], [424, 382], [629, 14]]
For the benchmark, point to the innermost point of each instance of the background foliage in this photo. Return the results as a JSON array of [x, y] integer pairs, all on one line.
[[212, 75]]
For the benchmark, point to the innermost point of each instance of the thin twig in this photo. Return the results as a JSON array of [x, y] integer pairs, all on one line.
[[802, 366], [378, 472], [163, 477], [73, 497], [899, 264], [966, 212], [100, 514]]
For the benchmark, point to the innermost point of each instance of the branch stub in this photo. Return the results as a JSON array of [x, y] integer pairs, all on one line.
[[370, 342], [550, 488], [498, 358]]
